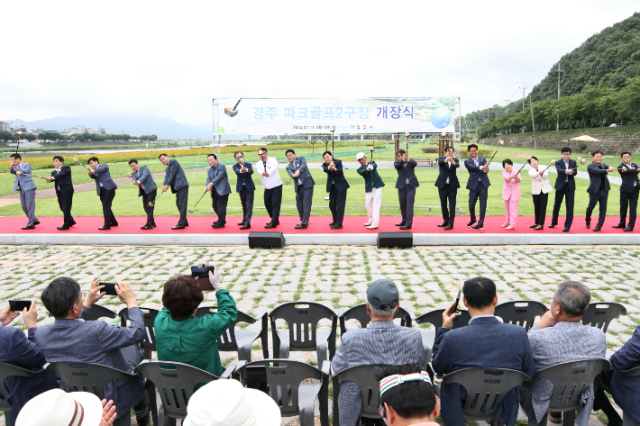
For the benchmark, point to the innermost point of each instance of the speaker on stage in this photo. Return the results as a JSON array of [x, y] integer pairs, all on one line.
[[395, 239], [266, 240]]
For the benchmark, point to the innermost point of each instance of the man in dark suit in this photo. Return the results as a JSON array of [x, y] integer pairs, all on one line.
[[406, 185], [448, 184], [177, 180], [302, 185], [337, 187], [64, 190], [494, 344], [565, 187], [218, 184], [628, 191], [598, 189], [478, 185], [245, 187], [106, 189], [147, 189]]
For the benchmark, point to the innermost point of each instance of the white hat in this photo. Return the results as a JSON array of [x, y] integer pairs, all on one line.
[[226, 402], [359, 155], [58, 408]]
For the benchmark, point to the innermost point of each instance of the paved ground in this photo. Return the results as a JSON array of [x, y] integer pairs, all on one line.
[[335, 276]]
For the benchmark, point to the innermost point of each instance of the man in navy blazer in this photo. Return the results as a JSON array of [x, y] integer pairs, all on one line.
[[628, 192], [565, 187], [598, 189], [147, 189], [218, 184], [448, 184], [478, 185], [24, 183], [72, 339], [337, 187], [106, 189], [18, 350], [492, 344], [61, 175], [245, 187], [406, 185], [302, 185], [176, 179]]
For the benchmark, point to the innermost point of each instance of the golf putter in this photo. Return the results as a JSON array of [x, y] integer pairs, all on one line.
[[194, 207], [75, 160], [129, 175], [232, 112], [153, 203]]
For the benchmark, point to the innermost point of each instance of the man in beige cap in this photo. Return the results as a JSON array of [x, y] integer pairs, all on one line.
[[58, 408]]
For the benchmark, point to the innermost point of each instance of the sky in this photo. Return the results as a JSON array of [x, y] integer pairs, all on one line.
[[169, 59]]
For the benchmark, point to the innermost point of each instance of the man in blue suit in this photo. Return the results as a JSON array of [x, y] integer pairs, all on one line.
[[628, 191], [18, 350], [478, 185], [448, 184], [302, 185], [493, 344], [218, 184], [245, 187], [565, 187], [177, 180], [337, 187], [106, 189], [406, 185], [61, 175], [598, 189], [24, 184], [147, 189]]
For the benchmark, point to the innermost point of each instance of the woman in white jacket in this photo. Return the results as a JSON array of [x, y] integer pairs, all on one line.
[[540, 188]]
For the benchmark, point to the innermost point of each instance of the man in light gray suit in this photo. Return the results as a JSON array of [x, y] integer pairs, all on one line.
[[303, 186], [106, 189], [24, 183], [147, 189], [218, 184], [177, 180]]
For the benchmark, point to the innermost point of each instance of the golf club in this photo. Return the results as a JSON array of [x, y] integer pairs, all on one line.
[[372, 149], [194, 207], [553, 163], [18, 146], [24, 174], [501, 143], [129, 175], [232, 112], [528, 159], [153, 203], [581, 161], [75, 160]]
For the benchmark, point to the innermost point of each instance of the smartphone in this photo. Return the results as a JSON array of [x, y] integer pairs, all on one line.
[[19, 305], [109, 288], [257, 377], [458, 300]]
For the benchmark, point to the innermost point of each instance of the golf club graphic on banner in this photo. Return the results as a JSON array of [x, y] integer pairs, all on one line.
[[278, 116]]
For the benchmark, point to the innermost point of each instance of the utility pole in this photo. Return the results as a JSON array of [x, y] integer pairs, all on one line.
[[506, 104], [524, 87], [557, 115], [533, 123]]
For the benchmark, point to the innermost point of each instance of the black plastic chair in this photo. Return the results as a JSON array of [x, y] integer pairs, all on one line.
[[285, 387], [6, 371], [368, 379], [236, 339], [176, 382], [520, 312], [90, 377], [302, 320], [486, 388], [435, 318], [148, 345], [360, 314], [96, 312], [600, 314], [570, 380]]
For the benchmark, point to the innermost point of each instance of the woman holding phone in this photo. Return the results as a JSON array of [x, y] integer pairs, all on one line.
[[510, 194], [540, 188]]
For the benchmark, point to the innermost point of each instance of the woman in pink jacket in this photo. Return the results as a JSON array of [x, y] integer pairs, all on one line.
[[510, 194]]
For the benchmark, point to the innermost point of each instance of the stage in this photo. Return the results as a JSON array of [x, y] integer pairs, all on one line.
[[425, 232]]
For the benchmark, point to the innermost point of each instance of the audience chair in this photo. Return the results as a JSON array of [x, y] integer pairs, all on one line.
[[176, 382], [360, 314], [148, 345], [236, 339], [570, 380], [368, 379], [96, 312], [486, 388], [435, 318], [6, 371], [520, 312], [627, 420], [600, 314], [302, 335], [90, 377], [284, 384]]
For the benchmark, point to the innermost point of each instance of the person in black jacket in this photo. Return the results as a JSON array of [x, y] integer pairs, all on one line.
[[598, 189], [628, 191], [565, 187], [245, 187], [337, 187], [448, 184], [406, 184], [64, 190]]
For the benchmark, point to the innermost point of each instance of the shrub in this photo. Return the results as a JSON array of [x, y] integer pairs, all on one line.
[[581, 145], [430, 150], [482, 152]]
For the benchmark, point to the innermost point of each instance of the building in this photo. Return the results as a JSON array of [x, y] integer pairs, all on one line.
[[82, 130], [5, 126]]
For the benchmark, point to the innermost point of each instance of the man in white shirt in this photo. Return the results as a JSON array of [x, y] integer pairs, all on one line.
[[267, 168]]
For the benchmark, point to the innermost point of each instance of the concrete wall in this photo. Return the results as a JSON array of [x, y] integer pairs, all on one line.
[[609, 144]]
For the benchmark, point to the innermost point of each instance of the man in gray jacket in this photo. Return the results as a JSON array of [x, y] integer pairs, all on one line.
[[106, 189], [218, 184], [302, 185], [24, 184], [147, 189], [177, 180]]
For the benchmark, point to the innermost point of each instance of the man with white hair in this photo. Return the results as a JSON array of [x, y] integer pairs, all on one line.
[[394, 345]]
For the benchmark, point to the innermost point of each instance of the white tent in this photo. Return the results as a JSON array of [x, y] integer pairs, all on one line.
[[585, 138]]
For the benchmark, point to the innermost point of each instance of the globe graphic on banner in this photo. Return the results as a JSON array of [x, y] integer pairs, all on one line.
[[441, 117]]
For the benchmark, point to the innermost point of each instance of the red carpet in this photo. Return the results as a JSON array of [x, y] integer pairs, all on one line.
[[318, 224]]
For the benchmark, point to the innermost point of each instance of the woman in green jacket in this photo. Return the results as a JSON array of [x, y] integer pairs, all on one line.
[[180, 336]]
